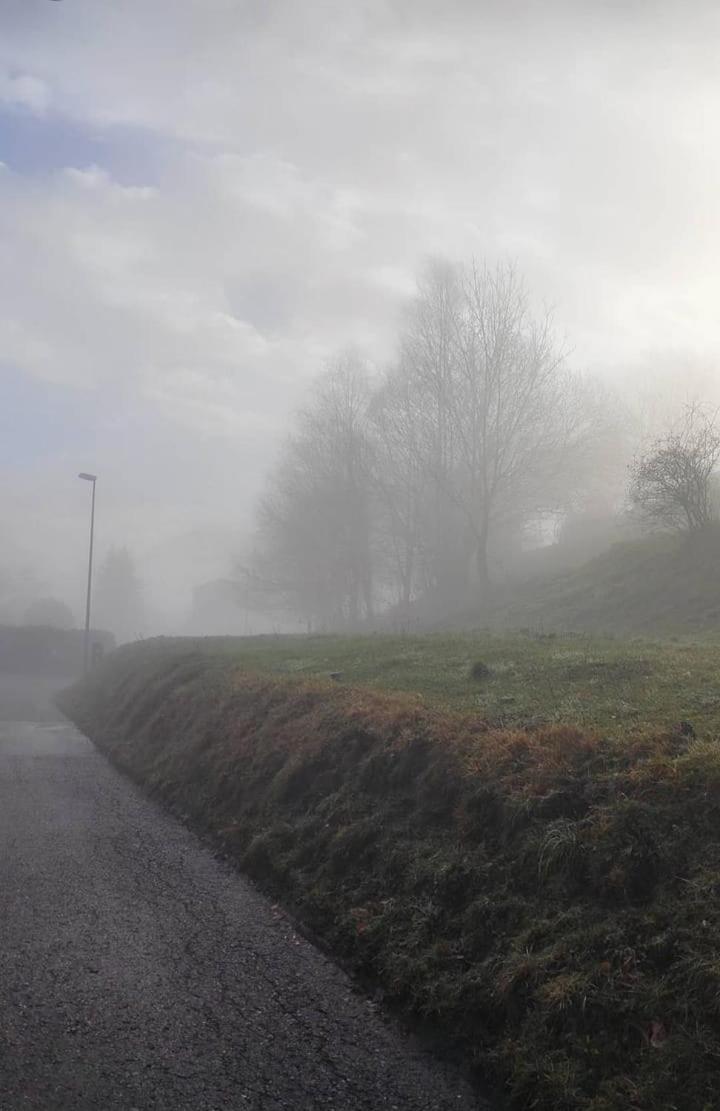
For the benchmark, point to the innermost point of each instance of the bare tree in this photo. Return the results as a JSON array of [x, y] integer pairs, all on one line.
[[119, 605], [419, 486], [505, 420], [403, 501], [427, 371], [510, 406], [671, 484], [316, 520]]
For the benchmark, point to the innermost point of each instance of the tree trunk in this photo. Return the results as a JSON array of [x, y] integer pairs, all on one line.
[[481, 563]]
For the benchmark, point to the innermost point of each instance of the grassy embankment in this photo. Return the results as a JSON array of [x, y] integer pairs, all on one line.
[[529, 858], [659, 585]]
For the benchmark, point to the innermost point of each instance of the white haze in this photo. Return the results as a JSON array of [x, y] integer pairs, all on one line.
[[202, 200]]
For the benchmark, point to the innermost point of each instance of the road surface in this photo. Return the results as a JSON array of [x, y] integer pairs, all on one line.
[[138, 972]]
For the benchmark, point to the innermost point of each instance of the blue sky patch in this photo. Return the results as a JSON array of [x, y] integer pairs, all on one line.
[[33, 145]]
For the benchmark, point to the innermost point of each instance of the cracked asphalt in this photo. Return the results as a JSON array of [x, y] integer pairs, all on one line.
[[139, 972]]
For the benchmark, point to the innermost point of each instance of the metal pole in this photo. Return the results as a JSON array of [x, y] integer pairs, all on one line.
[[89, 584]]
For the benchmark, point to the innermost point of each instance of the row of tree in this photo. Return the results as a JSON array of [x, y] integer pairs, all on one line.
[[421, 482]]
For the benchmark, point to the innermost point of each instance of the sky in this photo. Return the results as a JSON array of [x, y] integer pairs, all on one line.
[[202, 200]]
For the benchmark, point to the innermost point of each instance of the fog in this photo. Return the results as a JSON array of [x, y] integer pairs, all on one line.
[[205, 204]]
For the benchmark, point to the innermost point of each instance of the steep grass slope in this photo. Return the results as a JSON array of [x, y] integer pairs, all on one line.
[[548, 898], [668, 583]]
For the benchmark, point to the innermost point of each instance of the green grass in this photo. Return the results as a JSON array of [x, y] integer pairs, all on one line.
[[619, 686], [664, 584], [547, 898]]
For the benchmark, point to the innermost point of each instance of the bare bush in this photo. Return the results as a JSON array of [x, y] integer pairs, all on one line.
[[671, 484]]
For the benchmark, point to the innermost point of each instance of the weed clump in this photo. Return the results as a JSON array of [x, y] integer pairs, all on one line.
[[480, 671]]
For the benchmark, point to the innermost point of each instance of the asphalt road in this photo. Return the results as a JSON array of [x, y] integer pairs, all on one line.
[[27, 698], [139, 972]]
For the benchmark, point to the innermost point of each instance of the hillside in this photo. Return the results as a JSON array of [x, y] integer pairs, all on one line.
[[661, 584], [546, 898]]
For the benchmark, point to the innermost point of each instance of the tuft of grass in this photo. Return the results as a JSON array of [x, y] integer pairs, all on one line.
[[559, 851], [479, 671]]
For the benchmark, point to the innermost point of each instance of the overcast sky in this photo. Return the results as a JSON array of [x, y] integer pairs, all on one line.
[[200, 200]]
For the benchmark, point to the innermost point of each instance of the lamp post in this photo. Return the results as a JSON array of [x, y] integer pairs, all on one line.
[[86, 651]]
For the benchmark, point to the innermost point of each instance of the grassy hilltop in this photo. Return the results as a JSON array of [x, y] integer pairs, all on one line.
[[662, 584]]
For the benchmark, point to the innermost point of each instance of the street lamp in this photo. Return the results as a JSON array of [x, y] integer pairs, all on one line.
[[86, 652]]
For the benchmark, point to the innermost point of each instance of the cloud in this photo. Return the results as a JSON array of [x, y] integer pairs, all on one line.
[[171, 291], [24, 91], [302, 161]]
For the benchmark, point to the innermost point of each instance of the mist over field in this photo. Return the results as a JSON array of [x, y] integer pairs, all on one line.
[[360, 511], [207, 206]]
